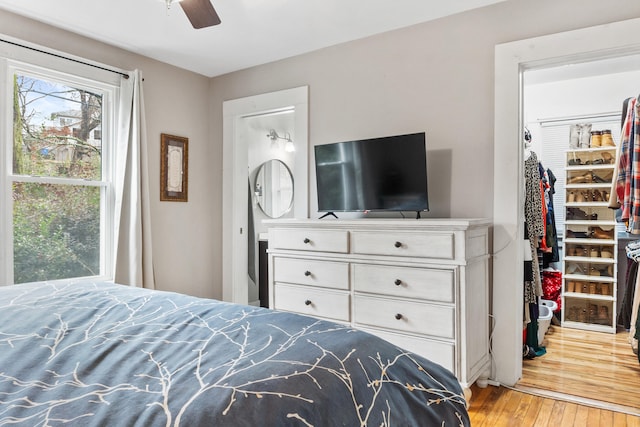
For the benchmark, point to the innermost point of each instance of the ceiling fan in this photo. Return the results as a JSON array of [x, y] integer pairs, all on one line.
[[201, 13]]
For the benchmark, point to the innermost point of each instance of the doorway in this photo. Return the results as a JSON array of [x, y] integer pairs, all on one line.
[[239, 114], [588, 358], [512, 60]]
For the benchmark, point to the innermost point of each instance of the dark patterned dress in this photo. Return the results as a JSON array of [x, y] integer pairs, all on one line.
[[535, 225]]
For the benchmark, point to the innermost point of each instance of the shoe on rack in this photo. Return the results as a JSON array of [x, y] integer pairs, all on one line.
[[601, 179], [574, 136], [607, 140], [576, 213], [582, 316], [577, 234], [603, 315], [575, 269], [596, 195], [594, 252], [583, 196], [607, 157], [581, 179], [573, 314], [606, 253], [585, 135], [599, 233], [593, 313]]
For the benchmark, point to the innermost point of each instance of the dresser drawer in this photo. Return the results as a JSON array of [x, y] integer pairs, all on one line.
[[409, 244], [325, 303], [310, 240], [416, 317], [326, 274], [405, 282], [442, 353]]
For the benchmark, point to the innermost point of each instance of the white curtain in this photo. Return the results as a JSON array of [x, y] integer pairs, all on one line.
[[133, 254]]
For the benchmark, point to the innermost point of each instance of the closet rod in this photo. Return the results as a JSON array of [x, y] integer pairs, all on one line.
[[125, 75], [608, 115]]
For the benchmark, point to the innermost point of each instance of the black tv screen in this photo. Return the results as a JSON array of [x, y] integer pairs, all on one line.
[[379, 174]]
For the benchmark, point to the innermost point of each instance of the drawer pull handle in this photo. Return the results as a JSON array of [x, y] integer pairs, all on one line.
[[398, 316], [397, 244], [307, 302], [398, 282], [307, 273], [306, 240]]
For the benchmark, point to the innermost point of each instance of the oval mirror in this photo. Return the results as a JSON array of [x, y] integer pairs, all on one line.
[[273, 188]]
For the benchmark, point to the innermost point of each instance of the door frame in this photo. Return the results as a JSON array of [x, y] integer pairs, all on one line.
[[511, 60], [235, 174]]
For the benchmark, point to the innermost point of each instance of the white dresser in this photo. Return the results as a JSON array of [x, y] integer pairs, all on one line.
[[421, 284]]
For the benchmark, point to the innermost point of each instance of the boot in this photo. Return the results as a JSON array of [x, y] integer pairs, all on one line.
[[596, 139], [593, 313], [607, 140], [603, 315], [574, 136], [585, 135]]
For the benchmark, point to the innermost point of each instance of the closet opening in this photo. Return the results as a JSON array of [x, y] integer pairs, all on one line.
[[580, 274]]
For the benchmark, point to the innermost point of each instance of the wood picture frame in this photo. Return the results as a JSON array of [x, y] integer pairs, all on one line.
[[174, 168]]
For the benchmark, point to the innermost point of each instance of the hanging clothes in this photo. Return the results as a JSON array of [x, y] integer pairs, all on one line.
[[624, 315], [628, 169], [534, 222], [627, 192], [551, 235]]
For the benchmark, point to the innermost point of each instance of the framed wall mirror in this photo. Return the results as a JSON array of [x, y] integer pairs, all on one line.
[[273, 188]]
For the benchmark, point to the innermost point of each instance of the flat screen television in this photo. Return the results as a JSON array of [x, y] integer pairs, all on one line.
[[378, 174]]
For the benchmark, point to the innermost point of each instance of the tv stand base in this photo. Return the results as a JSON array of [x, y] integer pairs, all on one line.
[[329, 214]]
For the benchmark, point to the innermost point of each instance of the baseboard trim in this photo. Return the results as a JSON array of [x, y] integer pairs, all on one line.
[[578, 400]]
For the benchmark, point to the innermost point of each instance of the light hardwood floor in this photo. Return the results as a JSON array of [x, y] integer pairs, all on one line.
[[590, 379], [590, 365], [500, 406]]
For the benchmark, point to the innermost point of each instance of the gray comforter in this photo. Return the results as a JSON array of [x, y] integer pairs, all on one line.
[[91, 354]]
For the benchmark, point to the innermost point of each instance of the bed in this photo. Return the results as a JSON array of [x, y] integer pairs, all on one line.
[[98, 353]]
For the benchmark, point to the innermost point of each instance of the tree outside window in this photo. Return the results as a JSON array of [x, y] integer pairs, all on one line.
[[57, 180]]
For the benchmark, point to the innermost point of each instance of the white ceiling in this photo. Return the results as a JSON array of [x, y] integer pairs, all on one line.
[[252, 32]]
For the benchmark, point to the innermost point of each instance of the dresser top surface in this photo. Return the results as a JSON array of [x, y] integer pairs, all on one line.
[[382, 223]]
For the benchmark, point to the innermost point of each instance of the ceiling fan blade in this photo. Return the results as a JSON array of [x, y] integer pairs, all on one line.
[[200, 12]]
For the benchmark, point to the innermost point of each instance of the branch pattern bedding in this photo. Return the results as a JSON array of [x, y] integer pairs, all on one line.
[[90, 353]]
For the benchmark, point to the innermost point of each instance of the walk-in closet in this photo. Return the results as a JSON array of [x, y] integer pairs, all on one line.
[[581, 287]]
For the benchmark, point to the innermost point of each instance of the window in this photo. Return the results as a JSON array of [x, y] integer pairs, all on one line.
[[59, 177]]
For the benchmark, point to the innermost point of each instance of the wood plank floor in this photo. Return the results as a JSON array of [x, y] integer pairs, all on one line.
[[591, 365], [593, 380], [501, 406]]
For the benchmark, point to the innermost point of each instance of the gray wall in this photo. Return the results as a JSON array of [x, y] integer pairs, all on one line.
[[437, 77], [186, 249]]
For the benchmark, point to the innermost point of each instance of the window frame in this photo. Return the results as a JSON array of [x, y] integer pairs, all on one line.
[[34, 64]]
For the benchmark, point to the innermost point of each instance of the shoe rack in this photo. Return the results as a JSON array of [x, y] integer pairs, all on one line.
[[590, 242]]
